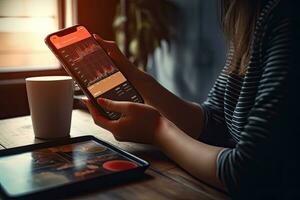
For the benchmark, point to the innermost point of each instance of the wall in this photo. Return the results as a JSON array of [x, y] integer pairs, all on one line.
[[191, 66]]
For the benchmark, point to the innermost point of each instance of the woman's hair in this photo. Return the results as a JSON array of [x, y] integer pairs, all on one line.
[[238, 19]]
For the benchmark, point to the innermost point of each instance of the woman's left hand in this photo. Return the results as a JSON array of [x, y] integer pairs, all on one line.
[[138, 122]]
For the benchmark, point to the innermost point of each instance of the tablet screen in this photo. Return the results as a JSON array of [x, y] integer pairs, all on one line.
[[51, 167]]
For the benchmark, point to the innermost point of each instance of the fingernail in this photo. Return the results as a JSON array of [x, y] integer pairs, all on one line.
[[101, 100]]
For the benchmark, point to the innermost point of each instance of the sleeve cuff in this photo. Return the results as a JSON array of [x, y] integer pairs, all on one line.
[[218, 163]]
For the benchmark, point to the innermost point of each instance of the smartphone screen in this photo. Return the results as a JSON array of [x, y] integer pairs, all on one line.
[[91, 67]]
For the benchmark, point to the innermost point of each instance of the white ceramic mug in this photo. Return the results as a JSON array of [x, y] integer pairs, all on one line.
[[50, 101]]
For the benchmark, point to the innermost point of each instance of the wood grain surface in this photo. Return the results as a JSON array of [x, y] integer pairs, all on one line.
[[163, 180]]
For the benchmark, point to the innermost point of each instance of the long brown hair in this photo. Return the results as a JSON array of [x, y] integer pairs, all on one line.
[[238, 19]]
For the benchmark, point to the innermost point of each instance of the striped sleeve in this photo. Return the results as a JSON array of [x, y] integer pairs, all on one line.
[[215, 130], [242, 168]]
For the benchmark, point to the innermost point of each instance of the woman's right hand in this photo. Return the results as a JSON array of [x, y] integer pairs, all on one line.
[[185, 115]]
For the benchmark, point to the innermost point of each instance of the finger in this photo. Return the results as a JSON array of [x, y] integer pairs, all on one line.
[[107, 45], [94, 112], [124, 107], [99, 119], [97, 37]]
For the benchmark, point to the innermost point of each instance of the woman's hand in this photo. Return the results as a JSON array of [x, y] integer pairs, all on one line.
[[144, 124], [138, 122], [187, 116]]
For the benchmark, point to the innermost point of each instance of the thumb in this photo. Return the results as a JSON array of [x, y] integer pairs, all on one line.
[[116, 106], [107, 45]]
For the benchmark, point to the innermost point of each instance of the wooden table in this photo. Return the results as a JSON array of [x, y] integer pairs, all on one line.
[[163, 180]]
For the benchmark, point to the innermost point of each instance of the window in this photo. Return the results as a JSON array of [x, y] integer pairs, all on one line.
[[23, 26]]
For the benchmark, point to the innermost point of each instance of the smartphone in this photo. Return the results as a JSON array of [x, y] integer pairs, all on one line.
[[89, 65]]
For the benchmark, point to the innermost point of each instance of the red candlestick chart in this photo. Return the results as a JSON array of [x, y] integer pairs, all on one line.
[[90, 62], [87, 49]]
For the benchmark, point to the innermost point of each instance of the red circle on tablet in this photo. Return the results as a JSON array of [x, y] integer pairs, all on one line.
[[119, 165]]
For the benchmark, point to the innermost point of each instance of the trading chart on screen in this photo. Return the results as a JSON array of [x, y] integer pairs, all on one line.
[[90, 64], [89, 61]]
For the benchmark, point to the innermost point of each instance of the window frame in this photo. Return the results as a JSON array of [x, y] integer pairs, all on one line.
[[13, 96], [22, 74]]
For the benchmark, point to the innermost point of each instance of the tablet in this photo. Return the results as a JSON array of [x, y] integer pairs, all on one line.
[[63, 166]]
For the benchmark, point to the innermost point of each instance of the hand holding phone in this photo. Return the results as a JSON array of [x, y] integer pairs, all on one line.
[[85, 60]]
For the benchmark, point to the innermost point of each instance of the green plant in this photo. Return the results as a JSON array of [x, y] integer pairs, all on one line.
[[140, 27]]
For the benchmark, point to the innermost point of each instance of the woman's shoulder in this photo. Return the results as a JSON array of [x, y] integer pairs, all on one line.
[[281, 40], [278, 22], [275, 12]]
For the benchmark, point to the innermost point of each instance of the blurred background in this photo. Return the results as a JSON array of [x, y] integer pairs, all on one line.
[[178, 41]]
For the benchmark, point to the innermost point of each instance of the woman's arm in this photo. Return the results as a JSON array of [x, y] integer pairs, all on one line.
[[198, 158], [186, 115], [144, 124]]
